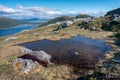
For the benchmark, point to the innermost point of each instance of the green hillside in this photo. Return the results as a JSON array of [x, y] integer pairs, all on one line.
[[58, 19], [82, 16], [7, 22]]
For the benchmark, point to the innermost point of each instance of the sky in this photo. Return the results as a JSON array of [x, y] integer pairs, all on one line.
[[54, 8]]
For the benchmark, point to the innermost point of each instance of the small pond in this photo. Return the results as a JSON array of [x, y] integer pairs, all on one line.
[[77, 51]]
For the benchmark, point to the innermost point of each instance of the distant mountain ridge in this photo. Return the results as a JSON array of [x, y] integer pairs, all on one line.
[[8, 22], [58, 19], [64, 18], [33, 19], [82, 16]]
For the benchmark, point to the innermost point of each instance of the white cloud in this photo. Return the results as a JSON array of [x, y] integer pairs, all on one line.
[[41, 12], [94, 13], [19, 6], [4, 9]]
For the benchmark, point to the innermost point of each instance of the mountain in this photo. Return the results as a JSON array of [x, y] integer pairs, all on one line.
[[8, 22], [34, 20], [58, 19], [82, 16], [112, 12]]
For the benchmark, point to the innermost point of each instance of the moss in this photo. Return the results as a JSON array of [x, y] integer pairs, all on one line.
[[13, 57]]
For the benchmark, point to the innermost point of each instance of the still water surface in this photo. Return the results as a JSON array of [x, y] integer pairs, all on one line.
[[77, 51]]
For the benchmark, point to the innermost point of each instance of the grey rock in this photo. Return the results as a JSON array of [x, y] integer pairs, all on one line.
[[10, 38], [17, 60], [27, 65], [25, 50], [41, 55]]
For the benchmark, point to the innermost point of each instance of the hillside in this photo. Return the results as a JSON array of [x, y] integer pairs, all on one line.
[[61, 72], [9, 71], [82, 16], [7, 22], [34, 20], [58, 19], [112, 12]]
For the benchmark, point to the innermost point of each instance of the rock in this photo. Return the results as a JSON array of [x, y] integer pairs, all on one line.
[[76, 53], [92, 28], [54, 32], [17, 60], [41, 55], [68, 23], [25, 50], [10, 38], [27, 65], [36, 34], [63, 25]]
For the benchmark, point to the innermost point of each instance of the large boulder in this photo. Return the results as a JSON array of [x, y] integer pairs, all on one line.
[[31, 59], [41, 55], [63, 25], [68, 23]]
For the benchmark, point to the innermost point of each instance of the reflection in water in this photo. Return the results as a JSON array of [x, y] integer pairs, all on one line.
[[77, 51]]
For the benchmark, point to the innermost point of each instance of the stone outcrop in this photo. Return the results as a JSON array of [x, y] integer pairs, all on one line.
[[41, 55], [32, 59], [27, 65], [64, 25], [25, 50]]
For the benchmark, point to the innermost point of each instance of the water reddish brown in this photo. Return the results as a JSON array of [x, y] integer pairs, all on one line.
[[77, 51]]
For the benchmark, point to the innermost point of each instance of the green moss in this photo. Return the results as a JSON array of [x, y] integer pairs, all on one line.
[[13, 57]]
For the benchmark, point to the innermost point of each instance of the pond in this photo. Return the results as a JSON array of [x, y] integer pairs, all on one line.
[[77, 51]]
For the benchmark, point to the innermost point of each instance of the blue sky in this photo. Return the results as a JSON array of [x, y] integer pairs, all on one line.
[[52, 8]]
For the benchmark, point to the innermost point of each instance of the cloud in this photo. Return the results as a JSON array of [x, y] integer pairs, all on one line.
[[6, 10], [41, 12], [45, 11], [94, 13]]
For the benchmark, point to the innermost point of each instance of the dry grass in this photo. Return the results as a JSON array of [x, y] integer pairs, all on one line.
[[62, 72], [55, 72]]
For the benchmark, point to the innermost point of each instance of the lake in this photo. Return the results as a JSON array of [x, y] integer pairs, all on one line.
[[30, 24], [17, 29], [77, 51]]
